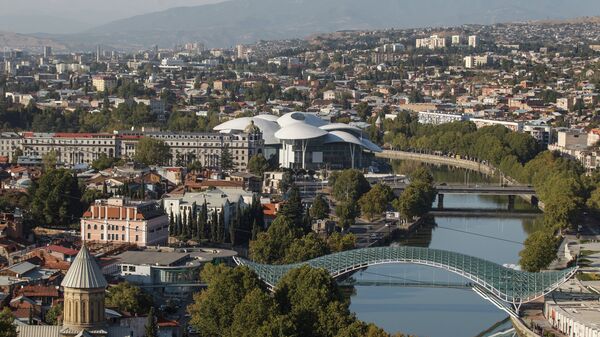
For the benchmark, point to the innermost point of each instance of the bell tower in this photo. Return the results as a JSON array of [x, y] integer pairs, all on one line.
[[84, 290]]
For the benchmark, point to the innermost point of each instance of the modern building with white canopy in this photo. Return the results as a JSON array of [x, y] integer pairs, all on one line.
[[304, 140]]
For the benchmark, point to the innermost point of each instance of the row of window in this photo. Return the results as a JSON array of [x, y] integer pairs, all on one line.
[[110, 227], [112, 237]]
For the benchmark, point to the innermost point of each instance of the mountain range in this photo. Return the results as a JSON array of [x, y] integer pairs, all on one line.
[[246, 21]]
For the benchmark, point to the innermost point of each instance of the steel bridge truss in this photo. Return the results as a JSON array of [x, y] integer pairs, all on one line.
[[506, 288]]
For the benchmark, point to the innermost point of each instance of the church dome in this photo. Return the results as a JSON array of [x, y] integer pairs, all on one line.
[[84, 272]]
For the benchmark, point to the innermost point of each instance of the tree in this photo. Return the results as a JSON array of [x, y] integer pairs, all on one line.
[[539, 251], [306, 248], [346, 212], [375, 201], [416, 199], [349, 185], [16, 154], [103, 162], [292, 208], [7, 328], [252, 313], [305, 294], [271, 246], [338, 242], [151, 327], [226, 159], [150, 151], [320, 208], [50, 160], [212, 311], [56, 198], [258, 165], [128, 297]]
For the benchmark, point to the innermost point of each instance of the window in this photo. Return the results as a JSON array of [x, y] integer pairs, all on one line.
[[95, 226], [102, 227], [122, 237], [136, 238], [89, 236], [131, 268], [101, 236], [123, 228], [89, 226]]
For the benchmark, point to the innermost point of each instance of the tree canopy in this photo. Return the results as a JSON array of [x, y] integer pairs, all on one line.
[[128, 297], [56, 198], [258, 165], [375, 201], [150, 151], [307, 303]]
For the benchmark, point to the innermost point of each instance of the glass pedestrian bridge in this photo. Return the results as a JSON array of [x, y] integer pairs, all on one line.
[[491, 280]]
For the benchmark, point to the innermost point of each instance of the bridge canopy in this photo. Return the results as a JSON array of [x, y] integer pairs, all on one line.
[[509, 285]]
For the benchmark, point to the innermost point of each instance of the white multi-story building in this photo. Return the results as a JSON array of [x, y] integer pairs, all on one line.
[[456, 40], [83, 148], [432, 42], [542, 133], [476, 61], [473, 41], [437, 117]]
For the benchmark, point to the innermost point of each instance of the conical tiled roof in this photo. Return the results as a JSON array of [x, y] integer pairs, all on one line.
[[84, 272]]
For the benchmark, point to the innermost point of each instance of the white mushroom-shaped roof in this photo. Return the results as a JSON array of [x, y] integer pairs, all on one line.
[[270, 118], [299, 131], [369, 145], [266, 125], [342, 137], [84, 272], [340, 126], [295, 117]]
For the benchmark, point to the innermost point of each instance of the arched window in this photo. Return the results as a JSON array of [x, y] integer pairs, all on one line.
[[102, 227], [89, 226], [95, 226]]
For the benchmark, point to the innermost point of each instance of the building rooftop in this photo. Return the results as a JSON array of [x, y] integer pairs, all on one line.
[[156, 258]]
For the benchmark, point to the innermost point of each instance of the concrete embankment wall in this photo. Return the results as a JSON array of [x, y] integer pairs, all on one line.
[[439, 160], [522, 329]]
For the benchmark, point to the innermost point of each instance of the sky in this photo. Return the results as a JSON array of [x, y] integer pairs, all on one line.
[[72, 16]]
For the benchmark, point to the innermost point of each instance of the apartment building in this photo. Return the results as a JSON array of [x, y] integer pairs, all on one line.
[[104, 82], [473, 41], [476, 61], [432, 42], [122, 221], [438, 117]]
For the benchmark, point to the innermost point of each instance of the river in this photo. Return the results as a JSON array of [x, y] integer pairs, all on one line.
[[444, 312]]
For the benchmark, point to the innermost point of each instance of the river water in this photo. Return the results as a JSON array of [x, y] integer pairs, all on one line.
[[442, 311]]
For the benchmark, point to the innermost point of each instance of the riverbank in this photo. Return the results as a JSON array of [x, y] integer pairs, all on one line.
[[472, 165]]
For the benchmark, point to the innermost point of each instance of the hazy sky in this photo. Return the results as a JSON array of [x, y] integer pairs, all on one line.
[[61, 16]]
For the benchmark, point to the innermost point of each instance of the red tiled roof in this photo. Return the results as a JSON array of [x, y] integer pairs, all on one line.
[[37, 291], [270, 209], [62, 250], [164, 323]]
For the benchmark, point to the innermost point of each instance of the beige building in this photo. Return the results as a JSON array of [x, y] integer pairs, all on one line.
[[103, 82], [121, 221], [83, 148]]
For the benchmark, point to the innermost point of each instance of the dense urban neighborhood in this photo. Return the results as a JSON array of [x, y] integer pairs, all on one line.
[[163, 191]]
